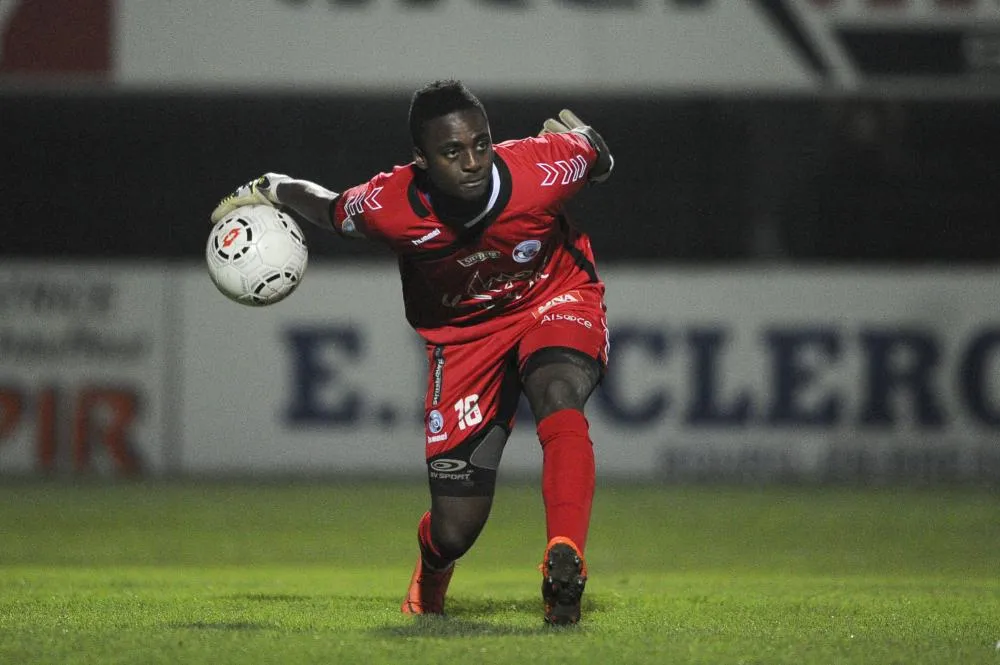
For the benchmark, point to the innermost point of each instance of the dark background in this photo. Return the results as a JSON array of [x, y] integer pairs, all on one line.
[[698, 179]]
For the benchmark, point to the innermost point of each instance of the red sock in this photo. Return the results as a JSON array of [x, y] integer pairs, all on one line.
[[568, 472]]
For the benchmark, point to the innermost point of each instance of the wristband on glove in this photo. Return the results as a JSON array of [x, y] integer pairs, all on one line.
[[261, 191], [569, 122]]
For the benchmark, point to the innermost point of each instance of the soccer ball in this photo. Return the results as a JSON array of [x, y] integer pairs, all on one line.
[[256, 255]]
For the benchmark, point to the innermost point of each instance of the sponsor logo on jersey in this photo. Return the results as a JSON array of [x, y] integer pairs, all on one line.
[[570, 296], [478, 257], [435, 421], [490, 290], [437, 438], [427, 236], [348, 226], [572, 318], [527, 250]]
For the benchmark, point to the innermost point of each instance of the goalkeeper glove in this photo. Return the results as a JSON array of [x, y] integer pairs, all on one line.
[[261, 191], [569, 122]]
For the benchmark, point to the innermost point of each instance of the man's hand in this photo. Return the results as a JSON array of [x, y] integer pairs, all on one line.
[[261, 191], [569, 122]]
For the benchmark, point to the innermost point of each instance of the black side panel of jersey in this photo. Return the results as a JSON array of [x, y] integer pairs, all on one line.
[[581, 260]]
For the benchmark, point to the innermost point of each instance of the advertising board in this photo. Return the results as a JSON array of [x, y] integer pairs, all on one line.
[[747, 374], [84, 368]]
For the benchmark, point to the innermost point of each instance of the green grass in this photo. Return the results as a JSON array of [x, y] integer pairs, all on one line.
[[296, 573]]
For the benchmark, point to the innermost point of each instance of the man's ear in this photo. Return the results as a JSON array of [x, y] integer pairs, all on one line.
[[419, 159]]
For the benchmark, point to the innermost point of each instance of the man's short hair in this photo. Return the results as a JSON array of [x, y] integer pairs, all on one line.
[[437, 99]]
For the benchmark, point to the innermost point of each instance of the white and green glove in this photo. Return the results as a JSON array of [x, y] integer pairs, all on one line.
[[569, 122], [260, 191]]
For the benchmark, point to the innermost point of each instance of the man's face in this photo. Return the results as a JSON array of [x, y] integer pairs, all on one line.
[[457, 153]]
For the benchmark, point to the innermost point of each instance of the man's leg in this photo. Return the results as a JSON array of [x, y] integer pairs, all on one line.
[[462, 485], [557, 387], [462, 488], [557, 392], [562, 361], [461, 519], [463, 454]]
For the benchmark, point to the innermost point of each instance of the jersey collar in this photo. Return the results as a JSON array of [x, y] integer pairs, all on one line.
[[500, 191]]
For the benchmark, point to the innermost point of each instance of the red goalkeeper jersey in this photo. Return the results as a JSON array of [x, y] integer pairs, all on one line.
[[460, 282]]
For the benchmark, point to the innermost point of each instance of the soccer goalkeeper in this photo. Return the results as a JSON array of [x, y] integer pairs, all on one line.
[[504, 291]]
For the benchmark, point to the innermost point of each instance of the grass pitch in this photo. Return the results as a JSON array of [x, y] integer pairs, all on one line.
[[314, 572]]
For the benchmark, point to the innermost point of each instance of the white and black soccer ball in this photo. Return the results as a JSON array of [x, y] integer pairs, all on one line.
[[256, 255]]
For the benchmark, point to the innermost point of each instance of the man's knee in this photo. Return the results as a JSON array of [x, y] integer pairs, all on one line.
[[558, 393], [452, 540], [456, 523], [556, 378]]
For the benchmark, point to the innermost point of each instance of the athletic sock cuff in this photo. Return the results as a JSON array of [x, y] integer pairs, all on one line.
[[565, 421]]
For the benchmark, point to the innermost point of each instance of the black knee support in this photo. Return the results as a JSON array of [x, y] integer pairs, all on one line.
[[469, 469]]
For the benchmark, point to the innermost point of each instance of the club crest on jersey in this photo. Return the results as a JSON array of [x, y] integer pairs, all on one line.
[[478, 257], [527, 250], [435, 422]]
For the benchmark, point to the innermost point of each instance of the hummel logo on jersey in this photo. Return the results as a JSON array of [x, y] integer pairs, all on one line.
[[427, 236], [563, 171], [357, 203]]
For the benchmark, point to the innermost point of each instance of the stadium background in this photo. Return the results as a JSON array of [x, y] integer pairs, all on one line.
[[799, 239]]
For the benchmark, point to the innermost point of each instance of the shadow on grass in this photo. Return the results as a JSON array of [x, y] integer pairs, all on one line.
[[225, 625], [485, 617], [272, 597]]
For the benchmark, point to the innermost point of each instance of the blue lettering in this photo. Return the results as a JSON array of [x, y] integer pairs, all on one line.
[[314, 374], [792, 375], [973, 377], [707, 345], [653, 345], [900, 361]]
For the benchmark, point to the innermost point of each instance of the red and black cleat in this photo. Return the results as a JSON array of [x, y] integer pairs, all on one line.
[[564, 576], [427, 590]]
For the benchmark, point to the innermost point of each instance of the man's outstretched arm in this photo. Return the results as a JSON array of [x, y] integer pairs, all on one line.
[[311, 201]]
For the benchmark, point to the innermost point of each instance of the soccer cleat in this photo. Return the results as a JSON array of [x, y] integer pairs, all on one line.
[[564, 576], [427, 589]]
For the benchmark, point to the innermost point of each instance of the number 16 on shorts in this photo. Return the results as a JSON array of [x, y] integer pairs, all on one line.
[[468, 412]]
